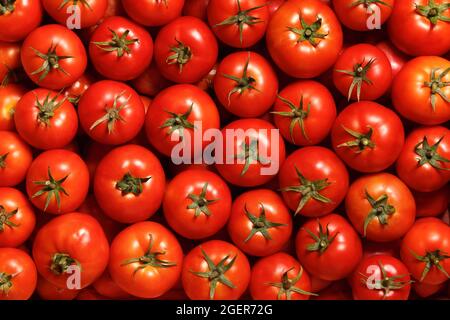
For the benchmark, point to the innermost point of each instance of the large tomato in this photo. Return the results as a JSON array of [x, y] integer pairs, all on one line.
[[18, 18], [9, 96], [9, 61], [15, 159], [153, 12], [89, 11]]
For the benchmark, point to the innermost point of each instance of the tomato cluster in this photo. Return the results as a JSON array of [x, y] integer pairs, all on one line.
[[350, 98]]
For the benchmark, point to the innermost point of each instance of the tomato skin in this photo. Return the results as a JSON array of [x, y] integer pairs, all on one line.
[[274, 5], [78, 88], [65, 43], [388, 136], [9, 96], [14, 166], [398, 195], [195, 8], [16, 25], [150, 82], [411, 96], [425, 290], [120, 205], [48, 291], [90, 12], [106, 287], [431, 204], [133, 242], [195, 35], [425, 178], [338, 290], [396, 58], [9, 60], [287, 52], [153, 13]]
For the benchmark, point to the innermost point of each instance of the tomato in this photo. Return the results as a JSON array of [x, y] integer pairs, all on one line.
[[274, 5], [260, 224], [238, 23], [425, 290], [111, 112], [246, 84], [18, 275], [195, 8], [129, 184], [90, 294], [120, 49], [391, 248], [431, 204], [93, 155], [57, 181], [9, 61], [150, 82], [368, 136], [45, 119], [421, 90], [304, 112], [68, 244], [207, 82], [338, 290], [253, 150], [9, 96], [185, 50], [177, 112], [328, 247], [153, 12], [18, 18], [380, 207], [381, 277], [106, 287], [281, 277], [427, 25], [89, 11], [313, 181], [396, 58], [424, 250], [48, 291], [307, 32], [362, 72], [215, 270], [424, 160], [53, 56], [146, 260], [78, 88], [15, 159]]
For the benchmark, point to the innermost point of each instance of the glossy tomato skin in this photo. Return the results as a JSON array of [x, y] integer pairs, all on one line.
[[301, 59], [90, 11], [15, 25], [105, 98], [78, 236], [63, 42], [336, 255], [121, 198], [61, 164], [153, 13], [185, 50], [315, 164], [399, 210], [412, 94], [9, 96], [114, 61], [431, 204], [198, 288], [15, 159], [45, 119], [78, 88], [427, 176], [48, 291], [396, 58], [9, 60], [379, 136], [270, 270], [138, 279]]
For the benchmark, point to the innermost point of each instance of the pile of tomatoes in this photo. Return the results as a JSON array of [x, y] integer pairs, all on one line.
[[92, 205]]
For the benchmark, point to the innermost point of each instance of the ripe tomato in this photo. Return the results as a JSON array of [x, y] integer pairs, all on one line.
[[253, 152], [106, 287], [425, 290], [150, 82], [421, 90], [396, 58], [427, 25], [432, 204], [368, 136], [57, 181], [48, 291], [185, 50], [424, 250], [424, 162], [304, 38], [274, 5], [380, 207], [78, 88], [338, 290], [68, 241], [18, 18], [238, 23], [280, 277], [53, 56], [153, 13], [9, 96], [195, 8], [215, 270], [45, 119], [381, 277], [146, 260], [15, 159], [90, 11], [18, 275], [120, 49], [260, 224], [313, 181], [111, 112], [9, 61], [328, 247], [129, 184], [304, 112]]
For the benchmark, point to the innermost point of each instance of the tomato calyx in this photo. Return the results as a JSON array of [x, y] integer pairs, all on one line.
[[74, 3], [250, 155], [51, 62], [120, 44], [433, 12], [432, 259], [323, 239], [5, 217], [53, 188], [287, 286], [309, 32], [367, 3], [260, 224], [297, 115], [309, 190], [429, 154], [47, 108], [243, 83], [200, 203], [112, 114], [436, 84], [359, 75], [216, 273], [178, 122], [3, 160], [181, 55], [6, 282], [61, 262], [361, 142], [381, 210], [130, 184], [7, 7]]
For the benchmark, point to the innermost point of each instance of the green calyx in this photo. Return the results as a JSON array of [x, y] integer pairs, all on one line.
[[361, 141], [53, 188], [200, 203], [250, 155], [432, 259], [5, 282], [47, 108], [434, 12], [216, 273], [367, 3], [3, 160], [130, 184], [381, 210], [7, 7], [74, 3], [436, 84], [359, 75], [178, 122], [429, 154], [287, 286], [5, 218], [322, 240], [112, 115], [120, 44], [309, 32], [308, 190], [260, 224], [181, 55], [61, 262], [51, 62]]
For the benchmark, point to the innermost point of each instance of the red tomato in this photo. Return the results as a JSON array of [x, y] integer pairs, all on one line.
[[90, 294], [153, 12], [9, 96], [94, 154], [15, 159], [146, 260], [396, 58], [78, 88], [150, 82], [9, 61], [274, 5], [106, 287], [48, 291], [207, 82], [432, 204], [425, 290], [89, 11], [18, 18], [338, 290], [195, 8]]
